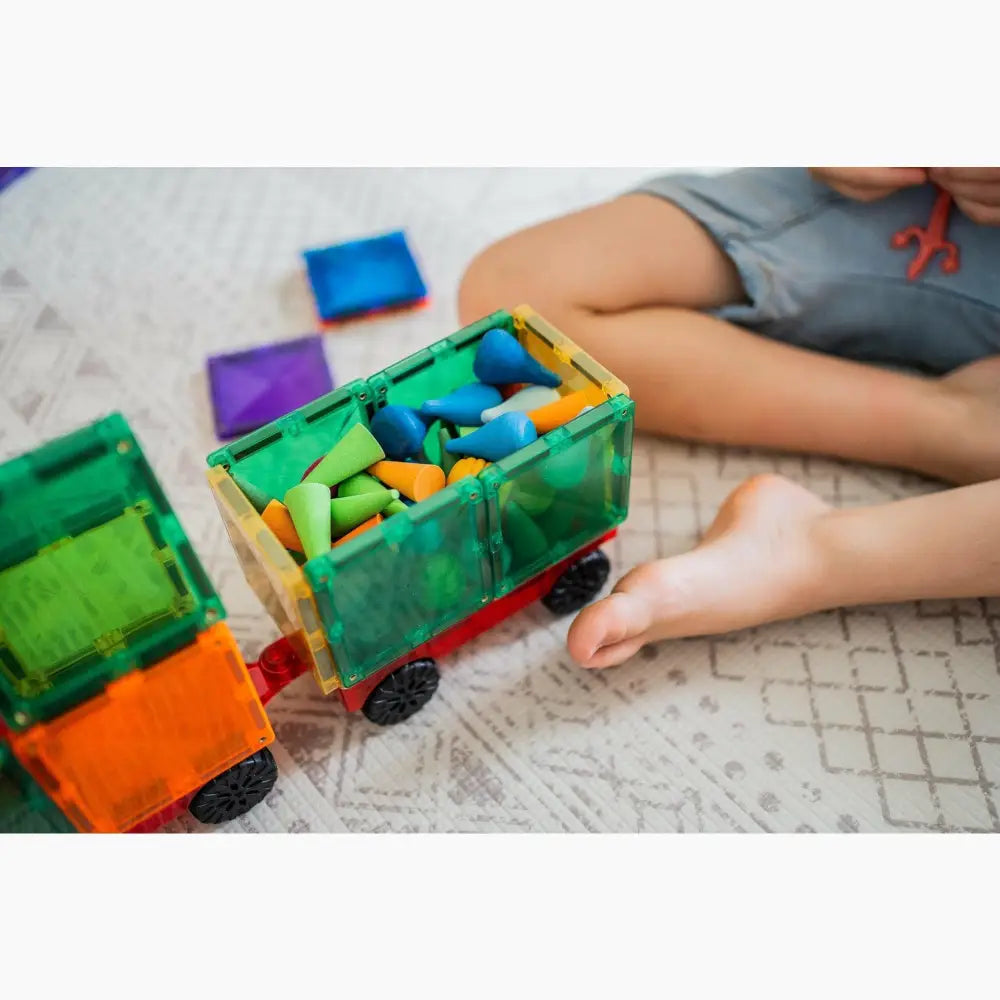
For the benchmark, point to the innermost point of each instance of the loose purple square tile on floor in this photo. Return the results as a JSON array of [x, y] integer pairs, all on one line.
[[253, 387]]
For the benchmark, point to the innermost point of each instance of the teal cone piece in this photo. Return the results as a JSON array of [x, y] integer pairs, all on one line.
[[400, 431], [259, 499], [463, 406], [501, 360], [497, 439]]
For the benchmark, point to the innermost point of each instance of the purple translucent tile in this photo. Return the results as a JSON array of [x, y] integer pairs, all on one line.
[[251, 388], [10, 174]]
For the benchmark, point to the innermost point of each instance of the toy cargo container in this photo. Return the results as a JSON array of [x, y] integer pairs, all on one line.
[[121, 688], [123, 696]]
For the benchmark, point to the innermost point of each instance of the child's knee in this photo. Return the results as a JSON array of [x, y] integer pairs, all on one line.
[[534, 267], [479, 291], [499, 277]]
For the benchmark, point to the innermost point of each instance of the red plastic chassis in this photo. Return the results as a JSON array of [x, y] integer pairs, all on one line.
[[279, 665]]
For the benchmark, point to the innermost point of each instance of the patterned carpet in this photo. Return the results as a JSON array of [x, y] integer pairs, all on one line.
[[115, 285]]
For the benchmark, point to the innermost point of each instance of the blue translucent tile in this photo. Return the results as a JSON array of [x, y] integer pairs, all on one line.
[[364, 276]]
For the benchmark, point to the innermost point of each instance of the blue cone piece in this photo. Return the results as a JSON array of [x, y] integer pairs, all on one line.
[[501, 360], [497, 439], [399, 430], [464, 405]]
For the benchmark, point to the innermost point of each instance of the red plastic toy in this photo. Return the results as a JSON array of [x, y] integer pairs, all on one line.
[[930, 240]]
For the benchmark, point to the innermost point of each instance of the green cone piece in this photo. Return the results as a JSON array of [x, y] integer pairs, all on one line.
[[525, 537], [444, 582], [447, 458], [355, 451], [566, 470], [532, 494], [309, 507], [257, 497], [431, 447], [362, 483], [346, 513]]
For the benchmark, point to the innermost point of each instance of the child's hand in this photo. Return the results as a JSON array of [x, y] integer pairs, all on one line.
[[976, 191], [869, 183]]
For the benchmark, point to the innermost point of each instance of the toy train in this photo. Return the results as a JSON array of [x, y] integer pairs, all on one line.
[[125, 700]]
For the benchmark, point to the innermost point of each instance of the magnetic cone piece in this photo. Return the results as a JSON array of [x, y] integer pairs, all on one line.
[[463, 406], [372, 522], [560, 411], [466, 467], [444, 582], [566, 470], [309, 506], [430, 450], [497, 439], [399, 430], [413, 480], [257, 497], [447, 458], [501, 360], [531, 398], [363, 483], [532, 493], [312, 465], [347, 513], [426, 538], [355, 451], [506, 559], [275, 515], [525, 537]]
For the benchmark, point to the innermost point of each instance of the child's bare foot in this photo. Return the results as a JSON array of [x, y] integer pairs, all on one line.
[[758, 562]]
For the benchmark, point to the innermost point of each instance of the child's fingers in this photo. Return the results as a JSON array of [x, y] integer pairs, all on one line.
[[949, 177], [869, 183], [885, 177], [985, 213], [978, 191]]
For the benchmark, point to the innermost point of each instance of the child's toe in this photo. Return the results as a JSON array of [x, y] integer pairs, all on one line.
[[608, 623]]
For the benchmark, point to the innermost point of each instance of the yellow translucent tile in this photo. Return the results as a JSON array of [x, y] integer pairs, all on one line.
[[274, 577], [578, 370]]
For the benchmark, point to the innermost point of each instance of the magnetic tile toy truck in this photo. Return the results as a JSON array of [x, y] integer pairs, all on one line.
[[124, 699]]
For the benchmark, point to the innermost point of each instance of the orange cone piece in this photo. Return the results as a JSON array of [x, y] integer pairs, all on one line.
[[372, 522], [275, 515], [466, 467], [548, 418], [415, 481]]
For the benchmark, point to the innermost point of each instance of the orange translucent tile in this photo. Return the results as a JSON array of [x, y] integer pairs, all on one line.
[[149, 738]]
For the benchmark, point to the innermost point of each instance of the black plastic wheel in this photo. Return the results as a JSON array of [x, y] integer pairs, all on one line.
[[403, 693], [580, 584], [237, 790]]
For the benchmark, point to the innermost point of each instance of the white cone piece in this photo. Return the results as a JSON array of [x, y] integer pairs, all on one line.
[[523, 401]]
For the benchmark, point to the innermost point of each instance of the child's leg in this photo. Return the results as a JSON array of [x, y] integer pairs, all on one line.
[[777, 551], [627, 280]]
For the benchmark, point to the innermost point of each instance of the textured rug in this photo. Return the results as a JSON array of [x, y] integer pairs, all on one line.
[[116, 284]]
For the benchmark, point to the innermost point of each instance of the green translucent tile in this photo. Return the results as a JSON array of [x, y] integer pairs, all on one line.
[[397, 585], [87, 594], [274, 458], [553, 497], [96, 574]]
